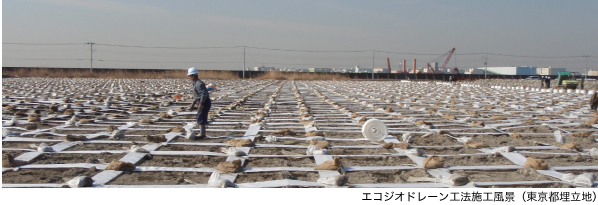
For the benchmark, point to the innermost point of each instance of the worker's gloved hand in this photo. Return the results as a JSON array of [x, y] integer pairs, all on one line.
[[200, 106], [192, 106]]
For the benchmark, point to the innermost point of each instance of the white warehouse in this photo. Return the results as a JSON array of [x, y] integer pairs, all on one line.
[[512, 70]]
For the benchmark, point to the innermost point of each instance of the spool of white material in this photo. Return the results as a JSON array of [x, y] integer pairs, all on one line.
[[569, 90], [374, 130]]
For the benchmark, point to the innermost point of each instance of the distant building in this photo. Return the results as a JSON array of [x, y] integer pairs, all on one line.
[[380, 70], [512, 70], [434, 65], [263, 68], [320, 70], [549, 71], [474, 71], [365, 70], [593, 73]]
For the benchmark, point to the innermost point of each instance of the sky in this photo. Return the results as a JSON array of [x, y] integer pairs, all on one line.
[[212, 35]]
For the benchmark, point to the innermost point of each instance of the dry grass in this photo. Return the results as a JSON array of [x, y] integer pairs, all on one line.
[[274, 75], [84, 73]]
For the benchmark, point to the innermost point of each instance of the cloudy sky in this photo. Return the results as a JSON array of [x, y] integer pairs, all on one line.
[[298, 34]]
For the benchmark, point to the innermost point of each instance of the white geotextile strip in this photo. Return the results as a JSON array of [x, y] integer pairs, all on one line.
[[440, 172], [485, 133]]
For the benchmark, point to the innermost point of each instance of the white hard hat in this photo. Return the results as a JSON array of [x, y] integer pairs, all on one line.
[[192, 71]]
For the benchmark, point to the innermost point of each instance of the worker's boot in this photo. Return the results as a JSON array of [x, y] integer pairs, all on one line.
[[202, 131]]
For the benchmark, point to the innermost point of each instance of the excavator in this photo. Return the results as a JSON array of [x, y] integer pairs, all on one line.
[[569, 80]]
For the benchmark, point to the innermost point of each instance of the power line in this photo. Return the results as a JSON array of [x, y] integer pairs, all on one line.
[[44, 49], [310, 51], [166, 47], [44, 44], [291, 50], [40, 59], [199, 62]]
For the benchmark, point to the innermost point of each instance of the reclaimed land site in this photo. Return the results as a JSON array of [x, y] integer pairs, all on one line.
[[274, 130]]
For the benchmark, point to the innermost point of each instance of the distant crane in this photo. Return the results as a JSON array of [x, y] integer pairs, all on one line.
[[446, 61], [430, 69], [441, 69]]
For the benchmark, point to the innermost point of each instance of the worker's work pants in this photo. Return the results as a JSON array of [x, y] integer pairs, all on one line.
[[202, 114]]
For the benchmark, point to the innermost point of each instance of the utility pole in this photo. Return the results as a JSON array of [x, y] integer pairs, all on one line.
[[243, 62], [91, 56], [373, 55], [486, 64]]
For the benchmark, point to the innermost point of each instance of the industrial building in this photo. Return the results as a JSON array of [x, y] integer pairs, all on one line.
[[511, 70], [549, 71], [474, 71]]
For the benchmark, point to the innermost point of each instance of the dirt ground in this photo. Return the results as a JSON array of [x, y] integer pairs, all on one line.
[[376, 161], [476, 160], [54, 176], [222, 134], [14, 153], [183, 161], [385, 176], [450, 150], [435, 140], [161, 178], [176, 147], [281, 162], [57, 158], [98, 146], [358, 151], [344, 135], [24, 145], [502, 175], [267, 176], [562, 160], [277, 151], [501, 140], [539, 129]]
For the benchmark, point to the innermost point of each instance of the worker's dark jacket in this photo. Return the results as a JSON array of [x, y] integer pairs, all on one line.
[[201, 94]]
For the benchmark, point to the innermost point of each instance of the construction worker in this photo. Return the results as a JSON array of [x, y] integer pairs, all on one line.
[[201, 98], [541, 81]]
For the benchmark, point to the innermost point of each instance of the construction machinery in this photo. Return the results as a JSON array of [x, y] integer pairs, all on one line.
[[567, 80], [441, 69]]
